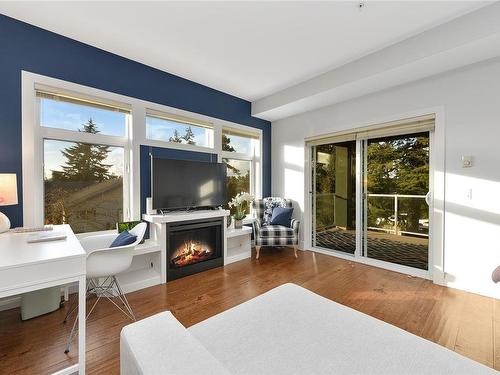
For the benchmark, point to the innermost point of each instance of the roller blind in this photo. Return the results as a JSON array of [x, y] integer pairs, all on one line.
[[408, 126], [87, 101], [179, 119], [240, 133], [400, 127]]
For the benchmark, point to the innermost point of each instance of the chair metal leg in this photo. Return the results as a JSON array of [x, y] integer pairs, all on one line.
[[71, 335], [73, 305], [123, 298], [102, 290], [70, 311]]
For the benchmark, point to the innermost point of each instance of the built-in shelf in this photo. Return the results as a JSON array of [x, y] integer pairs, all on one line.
[[231, 232], [149, 246]]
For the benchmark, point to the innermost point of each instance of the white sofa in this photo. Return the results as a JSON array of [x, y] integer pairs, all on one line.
[[288, 330]]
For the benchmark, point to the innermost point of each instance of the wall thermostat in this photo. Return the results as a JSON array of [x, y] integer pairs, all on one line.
[[466, 161]]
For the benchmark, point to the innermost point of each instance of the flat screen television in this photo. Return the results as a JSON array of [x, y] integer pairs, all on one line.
[[182, 184]]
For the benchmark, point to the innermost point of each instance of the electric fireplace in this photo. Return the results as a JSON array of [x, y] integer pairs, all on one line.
[[193, 246]]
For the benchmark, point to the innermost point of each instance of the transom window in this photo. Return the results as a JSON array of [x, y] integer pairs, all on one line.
[[64, 112], [177, 129], [239, 142]]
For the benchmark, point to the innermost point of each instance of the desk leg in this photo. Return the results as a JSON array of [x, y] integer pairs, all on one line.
[[81, 324]]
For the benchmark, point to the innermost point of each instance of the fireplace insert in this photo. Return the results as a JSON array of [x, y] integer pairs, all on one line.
[[193, 246]]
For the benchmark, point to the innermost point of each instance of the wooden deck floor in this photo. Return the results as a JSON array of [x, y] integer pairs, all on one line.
[[464, 322]]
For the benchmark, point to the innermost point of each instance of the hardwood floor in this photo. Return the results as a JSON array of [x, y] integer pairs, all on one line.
[[460, 321]]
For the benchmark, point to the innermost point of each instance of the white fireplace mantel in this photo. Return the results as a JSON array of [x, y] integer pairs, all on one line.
[[158, 230], [175, 216]]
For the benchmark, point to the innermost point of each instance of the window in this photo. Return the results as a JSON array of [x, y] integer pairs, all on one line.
[[84, 169], [240, 142], [177, 129], [238, 177], [64, 112], [241, 153], [80, 149]]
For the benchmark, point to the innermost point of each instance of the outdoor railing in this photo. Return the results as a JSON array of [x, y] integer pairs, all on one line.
[[395, 227], [325, 203]]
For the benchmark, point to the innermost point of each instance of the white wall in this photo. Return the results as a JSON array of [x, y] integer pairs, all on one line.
[[470, 98]]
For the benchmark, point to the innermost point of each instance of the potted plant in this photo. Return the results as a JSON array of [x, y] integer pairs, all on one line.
[[239, 203]]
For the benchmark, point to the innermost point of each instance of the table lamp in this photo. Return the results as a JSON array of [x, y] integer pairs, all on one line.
[[8, 196]]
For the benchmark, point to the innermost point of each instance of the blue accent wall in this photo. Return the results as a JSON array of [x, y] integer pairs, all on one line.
[[26, 47]]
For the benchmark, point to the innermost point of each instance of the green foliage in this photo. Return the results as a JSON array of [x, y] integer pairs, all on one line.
[[396, 165], [176, 138], [399, 165], [236, 184], [226, 143], [85, 161], [189, 136], [83, 171]]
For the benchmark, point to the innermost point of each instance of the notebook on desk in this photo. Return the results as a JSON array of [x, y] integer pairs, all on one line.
[[46, 236]]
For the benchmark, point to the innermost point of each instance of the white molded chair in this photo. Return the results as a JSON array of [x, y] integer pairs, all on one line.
[[103, 264]]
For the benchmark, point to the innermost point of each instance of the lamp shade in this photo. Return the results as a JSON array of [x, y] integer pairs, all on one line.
[[8, 189]]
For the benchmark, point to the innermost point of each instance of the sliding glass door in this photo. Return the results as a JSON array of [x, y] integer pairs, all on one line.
[[395, 192], [333, 196], [370, 195]]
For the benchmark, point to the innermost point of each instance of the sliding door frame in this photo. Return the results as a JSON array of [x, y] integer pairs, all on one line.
[[426, 274], [436, 269]]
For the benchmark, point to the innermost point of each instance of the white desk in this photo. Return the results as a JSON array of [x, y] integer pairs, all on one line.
[[25, 267]]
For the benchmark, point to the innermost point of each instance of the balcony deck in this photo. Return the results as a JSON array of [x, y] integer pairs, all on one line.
[[405, 250]]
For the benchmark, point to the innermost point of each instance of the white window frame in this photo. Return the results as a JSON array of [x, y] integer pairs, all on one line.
[[33, 135], [254, 156], [186, 121]]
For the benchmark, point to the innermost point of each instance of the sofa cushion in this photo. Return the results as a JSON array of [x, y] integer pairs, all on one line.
[[282, 216], [123, 239], [276, 231], [270, 204]]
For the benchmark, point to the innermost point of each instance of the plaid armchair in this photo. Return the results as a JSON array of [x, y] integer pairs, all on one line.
[[273, 235]]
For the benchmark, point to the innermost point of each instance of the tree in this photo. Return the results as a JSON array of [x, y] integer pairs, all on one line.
[[85, 161], [176, 138], [399, 166], [189, 136], [226, 146]]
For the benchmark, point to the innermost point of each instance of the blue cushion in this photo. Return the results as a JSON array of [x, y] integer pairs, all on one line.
[[124, 238], [282, 216]]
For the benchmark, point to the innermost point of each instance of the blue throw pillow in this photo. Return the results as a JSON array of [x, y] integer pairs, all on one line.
[[124, 238], [282, 216]]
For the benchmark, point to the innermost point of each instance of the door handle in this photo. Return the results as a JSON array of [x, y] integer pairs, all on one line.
[[428, 198]]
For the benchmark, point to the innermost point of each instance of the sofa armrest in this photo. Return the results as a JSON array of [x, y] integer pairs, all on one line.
[[295, 226], [158, 345], [256, 227]]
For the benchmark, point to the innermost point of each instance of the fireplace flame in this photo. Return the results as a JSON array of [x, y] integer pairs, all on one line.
[[190, 252]]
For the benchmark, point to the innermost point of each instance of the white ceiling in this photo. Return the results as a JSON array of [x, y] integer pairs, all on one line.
[[248, 49]]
